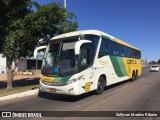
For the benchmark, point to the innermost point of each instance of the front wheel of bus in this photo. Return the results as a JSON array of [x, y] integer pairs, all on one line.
[[40, 93], [100, 86]]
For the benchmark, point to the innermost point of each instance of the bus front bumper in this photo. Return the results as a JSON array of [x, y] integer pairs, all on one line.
[[71, 89]]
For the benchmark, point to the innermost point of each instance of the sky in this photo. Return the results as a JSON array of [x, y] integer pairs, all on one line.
[[136, 22]]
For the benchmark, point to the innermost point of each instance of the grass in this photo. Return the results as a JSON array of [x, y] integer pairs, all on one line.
[[5, 92]]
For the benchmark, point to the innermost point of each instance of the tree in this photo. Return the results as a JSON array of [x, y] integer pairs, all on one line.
[[18, 43], [50, 20], [23, 33], [158, 61], [12, 10]]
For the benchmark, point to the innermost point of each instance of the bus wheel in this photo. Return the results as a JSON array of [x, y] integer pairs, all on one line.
[[133, 76], [100, 86], [40, 93], [136, 75]]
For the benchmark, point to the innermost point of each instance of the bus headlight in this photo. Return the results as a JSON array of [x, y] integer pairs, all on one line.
[[74, 80]]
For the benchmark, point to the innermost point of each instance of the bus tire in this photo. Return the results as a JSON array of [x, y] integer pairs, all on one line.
[[40, 93], [133, 76], [100, 85], [136, 75]]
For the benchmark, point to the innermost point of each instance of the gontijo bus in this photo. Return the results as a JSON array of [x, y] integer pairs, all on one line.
[[78, 62]]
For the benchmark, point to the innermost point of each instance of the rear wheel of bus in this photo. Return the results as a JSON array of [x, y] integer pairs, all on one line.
[[134, 75]]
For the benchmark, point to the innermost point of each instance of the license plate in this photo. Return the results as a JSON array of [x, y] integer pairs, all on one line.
[[52, 89]]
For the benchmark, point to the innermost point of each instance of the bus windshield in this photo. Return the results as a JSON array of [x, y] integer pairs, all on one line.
[[60, 59]]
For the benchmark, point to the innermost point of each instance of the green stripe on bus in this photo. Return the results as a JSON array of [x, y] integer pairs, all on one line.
[[117, 62], [107, 37], [122, 66], [63, 79]]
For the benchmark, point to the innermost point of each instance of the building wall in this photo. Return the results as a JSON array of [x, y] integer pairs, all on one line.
[[22, 65], [33, 64], [29, 64], [2, 64]]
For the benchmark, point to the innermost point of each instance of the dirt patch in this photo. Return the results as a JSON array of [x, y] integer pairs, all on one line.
[[36, 74]]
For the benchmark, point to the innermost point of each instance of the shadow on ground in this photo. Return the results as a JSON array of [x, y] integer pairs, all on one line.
[[21, 82]]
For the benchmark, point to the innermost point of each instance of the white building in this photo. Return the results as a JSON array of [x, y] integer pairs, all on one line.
[[23, 64], [2, 64]]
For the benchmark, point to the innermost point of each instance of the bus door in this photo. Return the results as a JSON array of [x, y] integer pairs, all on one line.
[[86, 60]]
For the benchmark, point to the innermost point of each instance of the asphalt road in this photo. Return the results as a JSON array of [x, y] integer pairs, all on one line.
[[141, 95]]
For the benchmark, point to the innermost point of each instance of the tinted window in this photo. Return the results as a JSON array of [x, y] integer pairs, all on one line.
[[104, 48], [154, 66], [86, 57], [109, 47], [94, 39], [88, 51]]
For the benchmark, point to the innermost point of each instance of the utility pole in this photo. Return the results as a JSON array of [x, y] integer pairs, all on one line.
[[146, 60], [65, 4]]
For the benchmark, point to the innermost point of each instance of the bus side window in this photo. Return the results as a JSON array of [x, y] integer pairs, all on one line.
[[117, 49], [122, 50], [86, 56], [104, 48], [111, 47], [114, 49]]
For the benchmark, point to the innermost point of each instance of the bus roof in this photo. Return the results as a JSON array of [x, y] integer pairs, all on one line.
[[95, 32]]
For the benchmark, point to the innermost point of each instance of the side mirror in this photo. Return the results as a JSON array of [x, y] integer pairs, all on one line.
[[78, 45], [37, 49]]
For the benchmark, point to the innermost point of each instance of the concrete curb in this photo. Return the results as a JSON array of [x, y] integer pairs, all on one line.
[[19, 95]]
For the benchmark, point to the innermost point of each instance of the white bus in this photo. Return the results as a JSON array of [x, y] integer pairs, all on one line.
[[78, 62]]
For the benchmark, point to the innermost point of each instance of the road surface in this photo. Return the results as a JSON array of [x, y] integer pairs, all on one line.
[[141, 95]]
